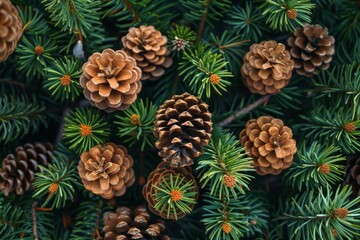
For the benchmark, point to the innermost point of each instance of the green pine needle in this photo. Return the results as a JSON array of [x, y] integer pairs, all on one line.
[[84, 128]]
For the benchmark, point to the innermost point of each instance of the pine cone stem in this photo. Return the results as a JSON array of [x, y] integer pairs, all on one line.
[[244, 111]]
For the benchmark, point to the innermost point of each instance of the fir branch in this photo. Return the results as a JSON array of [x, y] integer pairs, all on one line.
[[244, 111], [205, 11]]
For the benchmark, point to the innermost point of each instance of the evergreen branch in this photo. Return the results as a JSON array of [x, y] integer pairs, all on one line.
[[205, 11], [316, 166], [132, 10], [244, 111], [34, 221]]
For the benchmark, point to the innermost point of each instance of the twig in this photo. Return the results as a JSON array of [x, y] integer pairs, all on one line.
[[203, 19], [132, 10], [35, 230], [244, 111]]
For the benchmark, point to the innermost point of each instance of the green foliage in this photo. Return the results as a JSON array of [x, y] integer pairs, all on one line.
[[135, 124], [181, 33], [163, 196], [341, 84], [62, 79], [277, 10], [247, 21], [312, 215], [217, 213], [316, 166], [330, 123], [19, 116], [33, 21], [222, 158], [199, 65], [34, 53], [10, 218], [84, 128], [73, 15], [57, 183]]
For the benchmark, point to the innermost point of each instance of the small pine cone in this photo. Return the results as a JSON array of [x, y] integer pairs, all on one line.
[[111, 80], [106, 170], [267, 67], [352, 173], [18, 172], [163, 171], [126, 224], [269, 143], [10, 29], [312, 49], [149, 48], [183, 127]]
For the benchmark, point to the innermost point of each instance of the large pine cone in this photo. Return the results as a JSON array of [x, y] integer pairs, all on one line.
[[10, 29], [183, 127], [352, 172], [267, 67], [269, 143], [148, 47], [126, 224], [312, 49], [18, 172], [106, 170], [111, 80], [161, 173]]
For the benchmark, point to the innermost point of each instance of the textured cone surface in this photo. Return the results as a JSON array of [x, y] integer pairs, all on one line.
[[10, 29], [149, 48], [183, 127], [312, 49], [267, 67], [111, 80], [106, 170], [126, 224], [352, 172], [269, 143], [161, 173], [18, 171]]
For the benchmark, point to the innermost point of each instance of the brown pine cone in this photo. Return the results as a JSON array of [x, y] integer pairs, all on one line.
[[352, 173], [267, 67], [183, 127], [10, 29], [149, 48], [111, 80], [269, 143], [126, 224], [161, 173], [312, 49], [18, 172], [106, 170]]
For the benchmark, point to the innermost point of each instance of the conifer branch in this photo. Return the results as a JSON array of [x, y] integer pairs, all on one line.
[[244, 111], [35, 230], [132, 10], [203, 19]]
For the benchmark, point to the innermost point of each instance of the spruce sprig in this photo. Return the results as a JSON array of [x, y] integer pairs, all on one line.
[[286, 15], [224, 167], [316, 166], [204, 71], [84, 128], [175, 193], [62, 79], [322, 214], [135, 124]]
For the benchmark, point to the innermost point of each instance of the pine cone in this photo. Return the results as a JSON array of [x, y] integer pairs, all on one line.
[[111, 80], [267, 67], [312, 49], [10, 29], [183, 127], [126, 224], [269, 143], [18, 172], [163, 171], [148, 47], [352, 173], [106, 170]]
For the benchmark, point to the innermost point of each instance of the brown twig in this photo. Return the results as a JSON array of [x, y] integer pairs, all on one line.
[[132, 10], [203, 19], [244, 111], [234, 44], [35, 230]]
